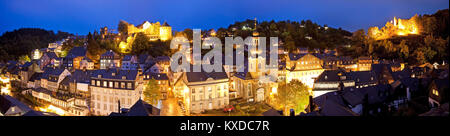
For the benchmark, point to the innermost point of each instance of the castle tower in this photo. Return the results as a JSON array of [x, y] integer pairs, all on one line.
[[165, 32]]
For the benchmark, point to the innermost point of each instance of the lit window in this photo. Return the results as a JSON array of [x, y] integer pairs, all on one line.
[[129, 86]]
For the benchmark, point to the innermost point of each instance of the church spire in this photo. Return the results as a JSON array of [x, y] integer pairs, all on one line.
[[256, 22]]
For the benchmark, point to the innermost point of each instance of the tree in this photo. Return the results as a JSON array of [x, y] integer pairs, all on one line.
[[93, 49], [404, 50], [152, 93], [292, 95], [123, 27], [140, 43], [24, 58]]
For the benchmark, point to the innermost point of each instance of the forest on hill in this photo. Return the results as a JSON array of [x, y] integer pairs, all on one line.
[[22, 41]]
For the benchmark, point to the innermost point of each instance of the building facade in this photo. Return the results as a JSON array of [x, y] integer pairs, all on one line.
[[114, 89]]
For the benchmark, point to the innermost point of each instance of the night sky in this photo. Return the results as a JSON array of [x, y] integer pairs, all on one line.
[[83, 16]]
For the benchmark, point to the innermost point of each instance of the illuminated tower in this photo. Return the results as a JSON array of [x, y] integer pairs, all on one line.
[[255, 60], [165, 32]]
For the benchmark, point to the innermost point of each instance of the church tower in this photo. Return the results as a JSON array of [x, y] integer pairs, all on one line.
[[255, 60]]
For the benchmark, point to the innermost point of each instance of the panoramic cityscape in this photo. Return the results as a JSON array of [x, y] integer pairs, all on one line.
[[253, 67]]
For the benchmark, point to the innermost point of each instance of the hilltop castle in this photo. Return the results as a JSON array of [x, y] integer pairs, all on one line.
[[154, 30]]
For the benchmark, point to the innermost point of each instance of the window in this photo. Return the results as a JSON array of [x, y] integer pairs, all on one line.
[[193, 98], [105, 84], [193, 90], [116, 84], [122, 84], [93, 82], [129, 86], [110, 84]]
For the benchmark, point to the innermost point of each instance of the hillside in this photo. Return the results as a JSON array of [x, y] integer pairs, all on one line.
[[22, 41]]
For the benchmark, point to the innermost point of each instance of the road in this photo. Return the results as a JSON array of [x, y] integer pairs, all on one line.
[[170, 107]]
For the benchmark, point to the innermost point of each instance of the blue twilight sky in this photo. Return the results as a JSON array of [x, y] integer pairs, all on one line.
[[83, 16]]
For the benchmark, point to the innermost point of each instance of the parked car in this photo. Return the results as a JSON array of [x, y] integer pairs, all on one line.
[[228, 108]]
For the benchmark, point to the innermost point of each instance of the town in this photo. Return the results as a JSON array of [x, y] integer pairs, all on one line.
[[127, 72]]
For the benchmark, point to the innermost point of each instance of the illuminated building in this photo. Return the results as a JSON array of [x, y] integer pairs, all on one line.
[[37, 54], [396, 27], [49, 58], [330, 81], [129, 62], [162, 80], [247, 84], [52, 77], [12, 107], [109, 59], [347, 63], [153, 30], [303, 67], [74, 57], [202, 91], [87, 64], [438, 92], [114, 88], [364, 64]]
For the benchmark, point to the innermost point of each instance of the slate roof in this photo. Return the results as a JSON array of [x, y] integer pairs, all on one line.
[[405, 73], [412, 83], [142, 58], [80, 76], [127, 58], [51, 72], [165, 24], [107, 74], [162, 58], [203, 76], [294, 56], [377, 93], [332, 104], [363, 77], [110, 53], [141, 108], [331, 76], [35, 76], [340, 103], [33, 113], [66, 80], [7, 102], [352, 96], [77, 52], [51, 55]]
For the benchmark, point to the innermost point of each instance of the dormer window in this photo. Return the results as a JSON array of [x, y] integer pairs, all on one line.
[[124, 77], [326, 77], [113, 74], [435, 92], [99, 76]]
